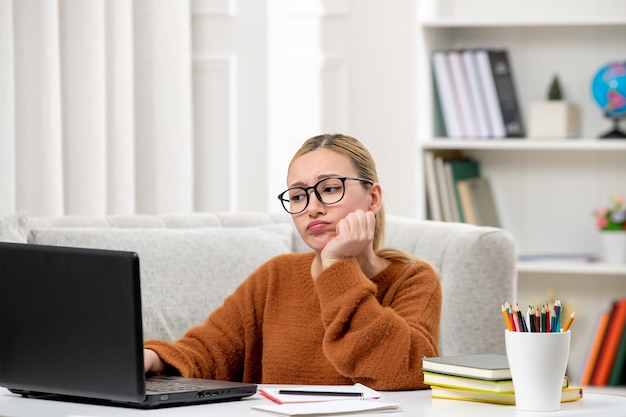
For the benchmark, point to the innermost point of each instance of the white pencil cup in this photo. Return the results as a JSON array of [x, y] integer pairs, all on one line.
[[538, 362]]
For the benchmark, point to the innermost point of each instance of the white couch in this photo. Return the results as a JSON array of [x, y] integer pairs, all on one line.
[[190, 262]]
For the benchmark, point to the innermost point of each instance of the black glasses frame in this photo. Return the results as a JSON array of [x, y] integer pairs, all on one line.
[[285, 201]]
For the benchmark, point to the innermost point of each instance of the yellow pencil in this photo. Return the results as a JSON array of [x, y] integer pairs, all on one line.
[[569, 322], [506, 318]]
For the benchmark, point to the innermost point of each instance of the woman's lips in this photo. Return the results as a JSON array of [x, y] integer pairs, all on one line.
[[316, 226]]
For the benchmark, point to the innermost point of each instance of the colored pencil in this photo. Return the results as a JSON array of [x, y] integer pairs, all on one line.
[[569, 322]]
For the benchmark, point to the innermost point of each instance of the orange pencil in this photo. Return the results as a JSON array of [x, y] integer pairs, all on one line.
[[569, 322], [506, 318]]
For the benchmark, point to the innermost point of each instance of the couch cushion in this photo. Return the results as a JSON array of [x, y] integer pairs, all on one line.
[[13, 228], [185, 274]]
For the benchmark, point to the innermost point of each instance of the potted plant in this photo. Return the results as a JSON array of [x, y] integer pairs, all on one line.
[[611, 221], [553, 118]]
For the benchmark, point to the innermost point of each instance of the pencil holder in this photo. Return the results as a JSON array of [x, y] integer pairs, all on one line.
[[538, 362]]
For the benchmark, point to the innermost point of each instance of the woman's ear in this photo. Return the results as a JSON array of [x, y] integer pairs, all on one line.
[[376, 198]]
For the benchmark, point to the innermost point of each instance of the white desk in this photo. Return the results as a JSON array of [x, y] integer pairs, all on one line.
[[415, 404]]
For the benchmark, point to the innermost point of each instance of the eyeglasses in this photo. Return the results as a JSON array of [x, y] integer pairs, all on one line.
[[328, 191]]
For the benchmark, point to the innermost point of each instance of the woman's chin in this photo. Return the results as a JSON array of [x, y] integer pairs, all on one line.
[[318, 244]]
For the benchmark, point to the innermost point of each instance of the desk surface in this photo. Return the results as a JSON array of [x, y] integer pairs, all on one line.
[[414, 403]]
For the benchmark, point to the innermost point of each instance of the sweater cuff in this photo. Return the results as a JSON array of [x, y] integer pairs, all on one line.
[[166, 353]]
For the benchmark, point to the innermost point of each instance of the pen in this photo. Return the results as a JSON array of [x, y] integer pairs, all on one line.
[[329, 393]]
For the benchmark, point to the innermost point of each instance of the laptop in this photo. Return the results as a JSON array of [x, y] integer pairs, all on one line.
[[71, 329]]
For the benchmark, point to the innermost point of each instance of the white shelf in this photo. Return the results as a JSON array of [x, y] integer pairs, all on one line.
[[545, 189], [571, 268], [450, 23], [590, 389], [583, 144]]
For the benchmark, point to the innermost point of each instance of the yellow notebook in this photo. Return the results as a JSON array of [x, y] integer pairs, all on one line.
[[476, 384], [506, 398]]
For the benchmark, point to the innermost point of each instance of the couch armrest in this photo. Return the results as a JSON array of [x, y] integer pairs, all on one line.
[[476, 267]]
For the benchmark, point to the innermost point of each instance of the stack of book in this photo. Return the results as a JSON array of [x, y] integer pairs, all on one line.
[[476, 93], [605, 361], [481, 377], [456, 190]]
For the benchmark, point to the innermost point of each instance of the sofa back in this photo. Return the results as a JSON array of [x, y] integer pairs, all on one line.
[[191, 262]]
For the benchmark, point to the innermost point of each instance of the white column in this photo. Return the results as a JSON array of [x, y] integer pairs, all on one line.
[[83, 93], [38, 108], [163, 105], [7, 110], [120, 118]]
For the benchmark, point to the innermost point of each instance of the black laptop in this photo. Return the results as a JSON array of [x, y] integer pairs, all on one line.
[[71, 328]]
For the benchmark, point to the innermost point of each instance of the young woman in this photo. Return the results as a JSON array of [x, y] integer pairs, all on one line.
[[346, 312]]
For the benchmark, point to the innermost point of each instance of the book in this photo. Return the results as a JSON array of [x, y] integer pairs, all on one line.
[[477, 93], [477, 202], [461, 382], [617, 320], [456, 170], [447, 96], [618, 374], [316, 393], [467, 205], [502, 77], [508, 398], [329, 408], [593, 350], [490, 94], [462, 93], [444, 193], [482, 366], [496, 78], [432, 186]]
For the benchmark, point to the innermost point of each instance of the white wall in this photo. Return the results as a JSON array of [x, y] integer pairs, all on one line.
[[178, 105], [294, 69]]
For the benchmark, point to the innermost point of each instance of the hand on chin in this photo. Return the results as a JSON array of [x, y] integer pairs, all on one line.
[[319, 241]]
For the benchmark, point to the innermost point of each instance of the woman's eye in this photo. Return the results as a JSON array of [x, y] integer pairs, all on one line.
[[297, 197]]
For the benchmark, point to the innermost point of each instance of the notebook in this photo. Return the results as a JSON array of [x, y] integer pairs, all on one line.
[[70, 320]]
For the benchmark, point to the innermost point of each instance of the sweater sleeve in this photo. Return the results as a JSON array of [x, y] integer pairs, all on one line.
[[223, 346], [378, 334]]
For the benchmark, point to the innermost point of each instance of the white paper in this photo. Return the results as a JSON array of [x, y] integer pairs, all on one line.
[[329, 407]]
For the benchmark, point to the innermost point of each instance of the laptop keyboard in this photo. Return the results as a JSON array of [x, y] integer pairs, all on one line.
[[171, 386]]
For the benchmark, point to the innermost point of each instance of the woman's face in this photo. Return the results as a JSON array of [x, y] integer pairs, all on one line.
[[317, 223]]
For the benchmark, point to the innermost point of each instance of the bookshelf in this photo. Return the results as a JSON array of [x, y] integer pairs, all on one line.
[[545, 190]]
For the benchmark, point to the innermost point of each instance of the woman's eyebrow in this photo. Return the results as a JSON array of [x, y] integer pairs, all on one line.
[[319, 177]]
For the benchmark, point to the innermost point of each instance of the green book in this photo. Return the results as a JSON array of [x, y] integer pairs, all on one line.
[[482, 366], [457, 170], [618, 374]]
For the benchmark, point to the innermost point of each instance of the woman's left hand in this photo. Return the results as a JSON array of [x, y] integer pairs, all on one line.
[[355, 234]]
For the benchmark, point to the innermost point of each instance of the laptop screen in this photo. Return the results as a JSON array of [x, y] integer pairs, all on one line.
[[70, 321]]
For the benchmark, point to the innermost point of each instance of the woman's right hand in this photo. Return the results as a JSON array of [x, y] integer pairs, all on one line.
[[152, 363]]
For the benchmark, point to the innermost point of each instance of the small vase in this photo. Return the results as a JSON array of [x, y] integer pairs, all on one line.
[[613, 246]]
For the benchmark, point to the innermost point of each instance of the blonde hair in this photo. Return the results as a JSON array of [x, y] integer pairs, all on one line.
[[364, 164]]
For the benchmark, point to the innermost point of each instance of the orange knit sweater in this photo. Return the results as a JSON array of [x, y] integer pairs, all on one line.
[[282, 327]]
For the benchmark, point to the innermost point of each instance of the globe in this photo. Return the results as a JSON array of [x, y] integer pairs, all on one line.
[[609, 88], [609, 92]]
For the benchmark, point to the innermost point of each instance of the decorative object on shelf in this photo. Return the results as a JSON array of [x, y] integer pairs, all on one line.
[[554, 118], [611, 221], [613, 244], [609, 91]]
